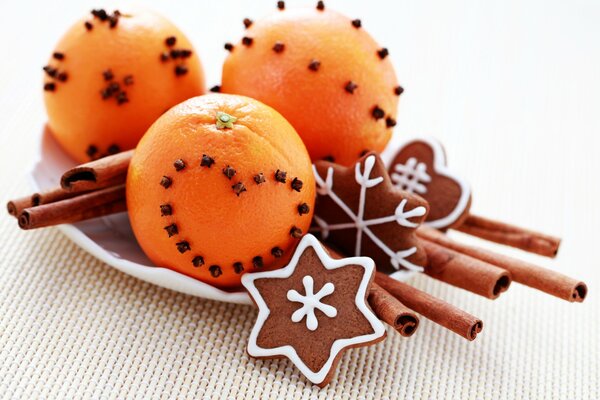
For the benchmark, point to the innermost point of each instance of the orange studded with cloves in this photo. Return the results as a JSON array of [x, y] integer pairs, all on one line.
[[218, 186], [324, 73], [111, 75]]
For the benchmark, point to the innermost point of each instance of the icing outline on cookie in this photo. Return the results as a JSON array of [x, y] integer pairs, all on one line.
[[441, 168], [338, 345]]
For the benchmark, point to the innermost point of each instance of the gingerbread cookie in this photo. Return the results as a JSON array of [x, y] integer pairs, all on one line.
[[313, 309], [419, 166], [360, 212]]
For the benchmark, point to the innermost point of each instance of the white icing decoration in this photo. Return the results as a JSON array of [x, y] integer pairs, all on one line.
[[325, 188], [338, 345], [310, 302], [440, 167], [411, 176]]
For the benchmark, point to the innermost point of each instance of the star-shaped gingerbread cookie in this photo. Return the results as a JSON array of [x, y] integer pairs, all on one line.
[[313, 309], [419, 166], [360, 212]]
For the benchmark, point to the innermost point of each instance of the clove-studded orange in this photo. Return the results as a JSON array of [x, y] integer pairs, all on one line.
[[220, 185], [111, 75], [324, 73]]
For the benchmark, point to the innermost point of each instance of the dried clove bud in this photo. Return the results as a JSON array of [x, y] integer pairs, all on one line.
[[276, 252], [170, 41], [171, 230], [183, 246], [377, 113], [297, 184], [350, 87], [166, 209], [238, 188], [259, 178], [303, 208], [257, 262], [383, 53], [91, 150], [296, 232], [280, 176], [314, 65], [206, 161], [228, 172], [181, 70], [215, 271], [179, 164], [166, 182], [198, 261], [238, 267]]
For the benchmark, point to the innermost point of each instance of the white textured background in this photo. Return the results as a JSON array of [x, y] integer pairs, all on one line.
[[513, 90]]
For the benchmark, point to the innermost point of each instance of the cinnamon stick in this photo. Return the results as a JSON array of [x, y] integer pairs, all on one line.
[[391, 311], [510, 235], [15, 207], [86, 206], [548, 281], [437, 310], [465, 272], [97, 174], [50, 196]]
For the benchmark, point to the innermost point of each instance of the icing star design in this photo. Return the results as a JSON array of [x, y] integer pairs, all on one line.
[[419, 166], [359, 210], [337, 316]]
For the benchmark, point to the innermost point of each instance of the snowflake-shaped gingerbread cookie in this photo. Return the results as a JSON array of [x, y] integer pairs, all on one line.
[[313, 309], [360, 212]]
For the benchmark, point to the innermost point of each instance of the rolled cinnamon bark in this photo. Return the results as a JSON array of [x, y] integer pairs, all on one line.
[[97, 174], [391, 311], [86, 206], [14, 207], [465, 272], [528, 274], [50, 196], [510, 235], [437, 310]]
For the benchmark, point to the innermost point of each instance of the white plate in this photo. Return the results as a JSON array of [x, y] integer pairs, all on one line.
[[111, 239]]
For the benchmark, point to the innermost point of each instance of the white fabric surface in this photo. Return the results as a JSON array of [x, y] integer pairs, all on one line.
[[511, 88]]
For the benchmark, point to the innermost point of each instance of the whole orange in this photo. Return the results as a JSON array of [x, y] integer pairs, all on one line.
[[324, 73], [111, 75], [220, 185]]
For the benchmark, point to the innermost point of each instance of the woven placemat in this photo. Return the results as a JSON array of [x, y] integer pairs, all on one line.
[[73, 327]]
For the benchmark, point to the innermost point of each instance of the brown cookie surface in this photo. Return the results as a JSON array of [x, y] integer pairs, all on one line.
[[419, 167], [360, 212], [313, 309]]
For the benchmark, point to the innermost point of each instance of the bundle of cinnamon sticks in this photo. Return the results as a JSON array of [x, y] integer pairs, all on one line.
[[97, 189], [87, 191], [472, 268]]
